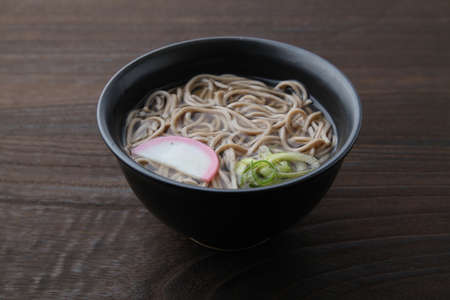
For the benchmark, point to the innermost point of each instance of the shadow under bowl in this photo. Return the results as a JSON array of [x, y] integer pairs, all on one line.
[[219, 218]]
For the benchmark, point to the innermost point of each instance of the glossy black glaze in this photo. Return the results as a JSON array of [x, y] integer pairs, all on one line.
[[229, 219]]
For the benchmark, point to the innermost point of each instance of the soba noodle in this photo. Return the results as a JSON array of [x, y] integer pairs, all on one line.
[[237, 117]]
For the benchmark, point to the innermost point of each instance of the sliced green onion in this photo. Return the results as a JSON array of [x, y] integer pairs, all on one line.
[[259, 178], [283, 166], [263, 172], [242, 165], [286, 175], [294, 156], [245, 173]]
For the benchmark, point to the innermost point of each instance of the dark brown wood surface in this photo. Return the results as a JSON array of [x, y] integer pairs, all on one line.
[[70, 228]]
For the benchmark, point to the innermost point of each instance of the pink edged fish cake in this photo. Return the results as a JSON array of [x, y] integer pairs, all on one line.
[[183, 154]]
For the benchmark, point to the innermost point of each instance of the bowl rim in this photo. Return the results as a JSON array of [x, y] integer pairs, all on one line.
[[127, 160]]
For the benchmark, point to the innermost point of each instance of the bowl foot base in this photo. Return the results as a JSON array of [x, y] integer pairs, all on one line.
[[229, 249]]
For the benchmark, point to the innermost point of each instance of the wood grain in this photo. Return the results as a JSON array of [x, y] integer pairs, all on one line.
[[72, 229]]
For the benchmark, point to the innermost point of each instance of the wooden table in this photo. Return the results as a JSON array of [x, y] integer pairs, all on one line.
[[70, 228]]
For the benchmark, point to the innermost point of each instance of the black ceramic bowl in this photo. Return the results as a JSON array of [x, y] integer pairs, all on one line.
[[228, 219]]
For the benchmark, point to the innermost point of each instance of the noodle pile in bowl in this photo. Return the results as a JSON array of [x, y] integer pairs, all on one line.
[[241, 119]]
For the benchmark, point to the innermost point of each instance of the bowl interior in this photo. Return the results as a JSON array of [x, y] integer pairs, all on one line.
[[249, 57]]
